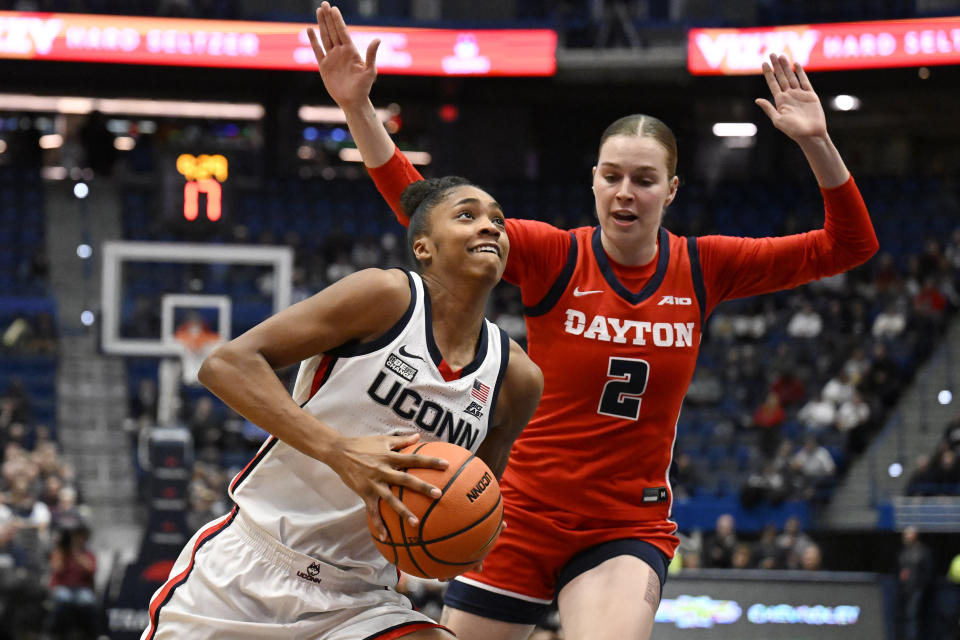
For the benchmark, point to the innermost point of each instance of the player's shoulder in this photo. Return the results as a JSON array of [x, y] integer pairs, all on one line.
[[376, 281], [387, 290]]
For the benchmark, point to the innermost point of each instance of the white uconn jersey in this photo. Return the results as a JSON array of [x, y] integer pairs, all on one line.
[[388, 386]]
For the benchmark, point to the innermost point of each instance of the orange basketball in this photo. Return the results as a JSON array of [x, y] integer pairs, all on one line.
[[457, 529]]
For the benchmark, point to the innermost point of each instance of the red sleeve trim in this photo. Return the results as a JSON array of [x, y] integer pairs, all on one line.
[[392, 178]]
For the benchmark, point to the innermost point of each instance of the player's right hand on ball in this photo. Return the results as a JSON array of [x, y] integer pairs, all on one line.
[[370, 465]]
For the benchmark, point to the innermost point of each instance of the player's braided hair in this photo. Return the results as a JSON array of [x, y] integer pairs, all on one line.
[[418, 199], [645, 126]]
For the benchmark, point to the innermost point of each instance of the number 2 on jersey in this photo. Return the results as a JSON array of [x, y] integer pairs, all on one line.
[[621, 395]]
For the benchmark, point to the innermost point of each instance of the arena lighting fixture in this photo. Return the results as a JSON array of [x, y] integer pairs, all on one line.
[[734, 129], [895, 470], [333, 115], [844, 102], [53, 173], [124, 143], [132, 107], [51, 141], [945, 397], [422, 158], [81, 190]]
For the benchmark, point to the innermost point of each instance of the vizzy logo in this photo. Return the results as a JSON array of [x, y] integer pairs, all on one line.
[[577, 292], [683, 302]]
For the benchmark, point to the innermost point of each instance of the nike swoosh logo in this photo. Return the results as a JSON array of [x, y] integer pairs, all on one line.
[[577, 293], [404, 352]]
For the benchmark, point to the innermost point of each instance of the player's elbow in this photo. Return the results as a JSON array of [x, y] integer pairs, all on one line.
[[216, 365]]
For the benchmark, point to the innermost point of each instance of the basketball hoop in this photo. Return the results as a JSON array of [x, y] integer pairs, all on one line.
[[195, 341]]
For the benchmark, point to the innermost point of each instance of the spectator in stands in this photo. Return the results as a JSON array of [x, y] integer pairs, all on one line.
[[817, 414], [883, 380], [890, 322], [205, 426], [931, 261], [769, 484], [838, 389], [951, 435], [951, 253], [768, 418], [929, 306], [72, 569], [886, 277], [792, 543], [788, 385], [143, 406], [66, 512], [718, 549], [811, 559], [684, 478], [32, 517], [921, 481], [853, 418], [815, 465], [913, 278], [14, 578], [340, 268], [742, 557], [805, 323], [914, 578], [946, 473], [766, 553], [857, 366], [15, 405]]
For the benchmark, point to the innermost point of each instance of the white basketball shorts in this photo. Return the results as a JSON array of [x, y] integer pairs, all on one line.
[[233, 580]]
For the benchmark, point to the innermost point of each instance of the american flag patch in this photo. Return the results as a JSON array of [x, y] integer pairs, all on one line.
[[480, 391]]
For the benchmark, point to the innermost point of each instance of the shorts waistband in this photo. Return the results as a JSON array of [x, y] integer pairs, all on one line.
[[301, 565]]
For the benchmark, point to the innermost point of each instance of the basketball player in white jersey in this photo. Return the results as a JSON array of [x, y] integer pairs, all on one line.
[[388, 357]]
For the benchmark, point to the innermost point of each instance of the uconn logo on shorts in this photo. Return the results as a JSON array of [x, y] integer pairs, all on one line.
[[311, 574]]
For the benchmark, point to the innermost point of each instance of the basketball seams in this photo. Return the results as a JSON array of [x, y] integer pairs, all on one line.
[[418, 543], [453, 479], [403, 532]]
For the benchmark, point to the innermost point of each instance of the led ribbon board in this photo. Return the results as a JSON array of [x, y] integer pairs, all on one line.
[[269, 45], [826, 47]]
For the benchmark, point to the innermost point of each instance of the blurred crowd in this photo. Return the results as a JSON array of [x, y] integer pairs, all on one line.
[[938, 474], [46, 570]]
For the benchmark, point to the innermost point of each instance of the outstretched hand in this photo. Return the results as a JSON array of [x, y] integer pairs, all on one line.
[[370, 465], [796, 109], [347, 77]]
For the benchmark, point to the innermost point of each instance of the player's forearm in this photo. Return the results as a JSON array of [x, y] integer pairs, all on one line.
[[246, 383], [825, 161], [373, 141]]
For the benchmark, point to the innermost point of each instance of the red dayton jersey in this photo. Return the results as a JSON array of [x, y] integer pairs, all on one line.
[[616, 366], [618, 344]]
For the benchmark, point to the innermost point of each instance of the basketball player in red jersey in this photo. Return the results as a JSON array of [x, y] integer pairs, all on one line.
[[387, 357], [614, 316]]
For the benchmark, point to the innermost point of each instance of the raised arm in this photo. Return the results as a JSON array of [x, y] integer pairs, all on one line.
[[796, 111], [519, 396], [359, 307]]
